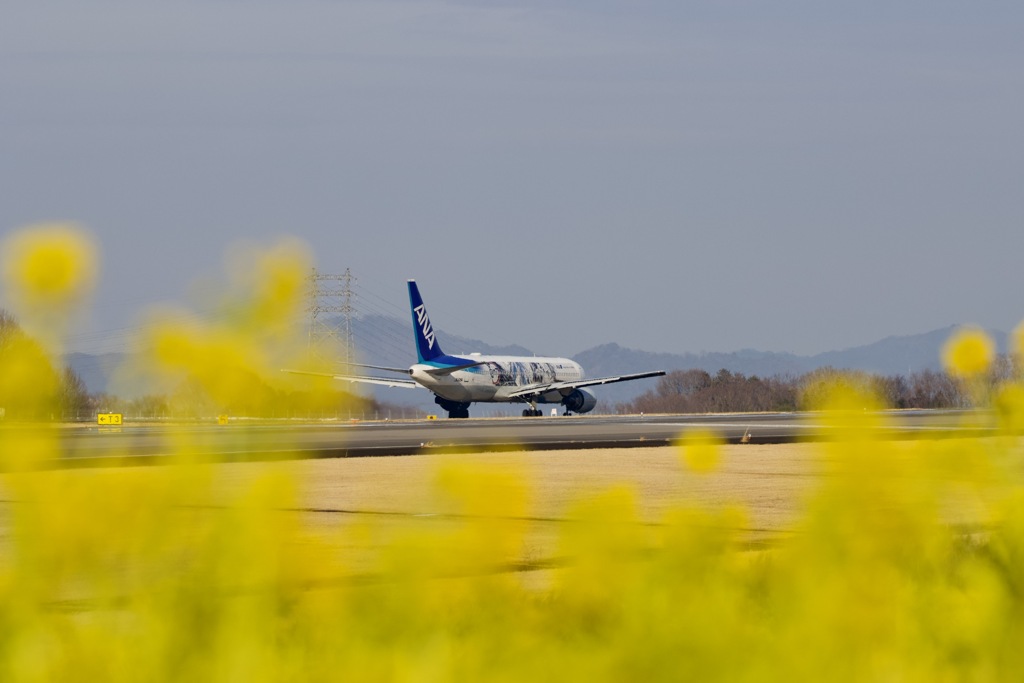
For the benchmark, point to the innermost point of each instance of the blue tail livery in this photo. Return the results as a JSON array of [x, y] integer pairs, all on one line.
[[427, 346]]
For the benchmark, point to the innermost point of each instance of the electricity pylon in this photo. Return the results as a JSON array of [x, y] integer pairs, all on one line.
[[327, 340]]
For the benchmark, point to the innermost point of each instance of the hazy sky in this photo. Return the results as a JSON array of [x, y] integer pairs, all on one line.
[[671, 176]]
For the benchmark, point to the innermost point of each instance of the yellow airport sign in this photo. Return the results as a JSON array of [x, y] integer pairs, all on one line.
[[109, 418]]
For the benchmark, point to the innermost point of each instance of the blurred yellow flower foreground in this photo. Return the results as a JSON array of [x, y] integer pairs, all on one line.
[[907, 564], [969, 353], [48, 270]]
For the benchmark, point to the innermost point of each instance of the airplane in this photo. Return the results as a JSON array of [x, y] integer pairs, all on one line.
[[458, 381]]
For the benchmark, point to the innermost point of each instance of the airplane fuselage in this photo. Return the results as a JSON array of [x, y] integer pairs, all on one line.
[[498, 377]]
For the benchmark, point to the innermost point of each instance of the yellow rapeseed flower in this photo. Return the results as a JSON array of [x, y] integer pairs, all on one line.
[[969, 352], [700, 451], [1009, 408], [269, 285], [48, 267], [282, 272]]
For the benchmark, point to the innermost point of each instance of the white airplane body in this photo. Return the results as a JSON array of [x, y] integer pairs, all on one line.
[[458, 381]]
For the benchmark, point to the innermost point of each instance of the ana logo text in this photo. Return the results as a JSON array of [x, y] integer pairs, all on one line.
[[425, 328]]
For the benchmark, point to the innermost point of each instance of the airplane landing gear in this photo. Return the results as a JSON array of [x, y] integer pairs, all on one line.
[[533, 412], [454, 408]]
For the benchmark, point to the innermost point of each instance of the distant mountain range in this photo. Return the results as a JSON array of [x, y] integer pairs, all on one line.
[[387, 341], [890, 356]]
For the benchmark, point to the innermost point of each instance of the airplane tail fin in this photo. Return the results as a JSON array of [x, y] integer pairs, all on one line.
[[427, 347]]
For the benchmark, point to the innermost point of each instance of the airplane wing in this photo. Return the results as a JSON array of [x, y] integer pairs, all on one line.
[[566, 388], [437, 372], [401, 371], [383, 381]]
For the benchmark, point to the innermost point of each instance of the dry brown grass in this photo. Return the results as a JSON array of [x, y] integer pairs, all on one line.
[[768, 482]]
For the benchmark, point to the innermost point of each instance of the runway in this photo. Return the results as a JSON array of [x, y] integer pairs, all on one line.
[[242, 440]]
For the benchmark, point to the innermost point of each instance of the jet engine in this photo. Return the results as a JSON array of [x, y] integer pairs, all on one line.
[[579, 401]]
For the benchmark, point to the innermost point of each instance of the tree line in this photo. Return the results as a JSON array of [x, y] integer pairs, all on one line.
[[31, 387], [698, 391]]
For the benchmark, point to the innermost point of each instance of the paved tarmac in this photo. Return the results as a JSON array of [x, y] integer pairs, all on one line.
[[254, 440]]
